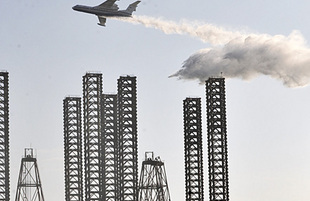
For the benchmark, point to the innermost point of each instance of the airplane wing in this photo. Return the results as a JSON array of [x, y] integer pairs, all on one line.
[[107, 4], [102, 21]]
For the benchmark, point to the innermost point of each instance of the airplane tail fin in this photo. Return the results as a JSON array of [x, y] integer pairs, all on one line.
[[132, 7]]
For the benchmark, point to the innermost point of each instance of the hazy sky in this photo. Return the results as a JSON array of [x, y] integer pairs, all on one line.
[[47, 47]]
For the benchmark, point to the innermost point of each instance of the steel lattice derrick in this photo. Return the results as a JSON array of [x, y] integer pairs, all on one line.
[[110, 146], [4, 137], [153, 184], [92, 90], [128, 142], [217, 139], [193, 149], [73, 149], [29, 186]]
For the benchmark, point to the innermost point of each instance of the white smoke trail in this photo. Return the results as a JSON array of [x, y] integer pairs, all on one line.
[[206, 32], [241, 55]]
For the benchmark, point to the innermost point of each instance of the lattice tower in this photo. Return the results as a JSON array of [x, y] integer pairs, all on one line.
[[73, 149], [153, 185], [193, 149], [128, 142], [29, 186], [4, 138], [217, 139], [92, 90], [110, 146]]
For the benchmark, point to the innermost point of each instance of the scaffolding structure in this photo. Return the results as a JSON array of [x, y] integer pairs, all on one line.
[[128, 142], [109, 146], [217, 139], [193, 149], [29, 186], [73, 149], [4, 137], [92, 90], [153, 185], [110, 141]]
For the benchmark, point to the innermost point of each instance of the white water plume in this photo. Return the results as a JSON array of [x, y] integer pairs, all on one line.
[[239, 55], [205, 32]]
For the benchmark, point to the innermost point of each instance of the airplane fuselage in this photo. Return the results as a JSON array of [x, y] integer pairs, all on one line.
[[101, 12]]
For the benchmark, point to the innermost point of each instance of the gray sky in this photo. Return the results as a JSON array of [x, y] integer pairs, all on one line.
[[47, 47]]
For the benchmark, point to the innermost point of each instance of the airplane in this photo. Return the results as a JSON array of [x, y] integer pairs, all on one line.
[[107, 9]]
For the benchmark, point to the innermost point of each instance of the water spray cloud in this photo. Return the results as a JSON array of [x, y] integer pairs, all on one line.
[[239, 55]]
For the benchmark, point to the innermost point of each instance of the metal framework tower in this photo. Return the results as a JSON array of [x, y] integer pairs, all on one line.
[[29, 186], [109, 146], [128, 142], [193, 149], [92, 90], [153, 185], [4, 138], [73, 149], [217, 139]]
